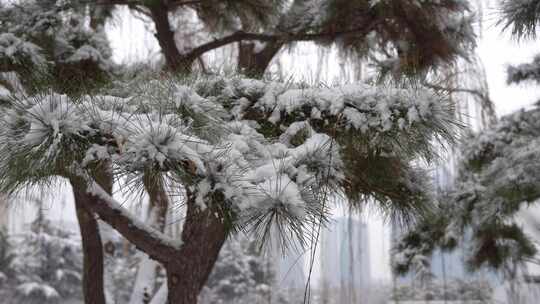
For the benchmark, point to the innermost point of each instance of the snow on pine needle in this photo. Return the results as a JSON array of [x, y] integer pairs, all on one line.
[[14, 50], [262, 154]]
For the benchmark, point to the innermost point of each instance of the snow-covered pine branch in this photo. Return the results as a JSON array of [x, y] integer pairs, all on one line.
[[15, 52], [249, 154], [499, 176], [48, 44], [521, 17], [245, 161], [525, 72]]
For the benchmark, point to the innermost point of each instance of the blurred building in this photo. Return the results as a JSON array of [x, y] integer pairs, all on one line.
[[290, 270], [345, 262], [446, 270]]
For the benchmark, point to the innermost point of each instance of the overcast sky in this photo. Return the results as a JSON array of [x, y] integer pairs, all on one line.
[[497, 50]]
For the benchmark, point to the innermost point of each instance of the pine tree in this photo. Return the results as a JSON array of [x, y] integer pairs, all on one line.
[[413, 35], [48, 44], [240, 275], [360, 29], [497, 178], [342, 141], [47, 266], [250, 155], [522, 19], [49, 47]]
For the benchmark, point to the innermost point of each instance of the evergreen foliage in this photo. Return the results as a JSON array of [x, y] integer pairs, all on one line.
[[49, 46], [263, 177], [257, 154], [522, 17], [412, 36], [498, 177], [241, 275], [47, 265]]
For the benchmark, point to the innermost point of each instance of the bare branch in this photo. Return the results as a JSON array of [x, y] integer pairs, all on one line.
[[111, 2], [182, 3], [283, 37], [141, 10], [171, 4], [474, 92]]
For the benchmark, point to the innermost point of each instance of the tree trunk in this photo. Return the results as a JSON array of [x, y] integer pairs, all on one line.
[[92, 246], [203, 236], [252, 63], [175, 61], [189, 265], [93, 288]]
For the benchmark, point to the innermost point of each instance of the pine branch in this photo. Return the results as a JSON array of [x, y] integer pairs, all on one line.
[[235, 37], [520, 17]]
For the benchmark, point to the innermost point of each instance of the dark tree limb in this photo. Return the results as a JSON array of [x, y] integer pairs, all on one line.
[[275, 38], [203, 236], [93, 287], [169, 4], [182, 62], [252, 63], [92, 245], [176, 62]]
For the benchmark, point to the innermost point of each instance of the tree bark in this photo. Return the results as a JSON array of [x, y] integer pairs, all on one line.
[[189, 265], [203, 236], [92, 246], [175, 61], [252, 63], [93, 287]]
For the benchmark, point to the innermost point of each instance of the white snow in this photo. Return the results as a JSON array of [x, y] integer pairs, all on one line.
[[145, 280], [15, 49], [161, 295], [36, 288]]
